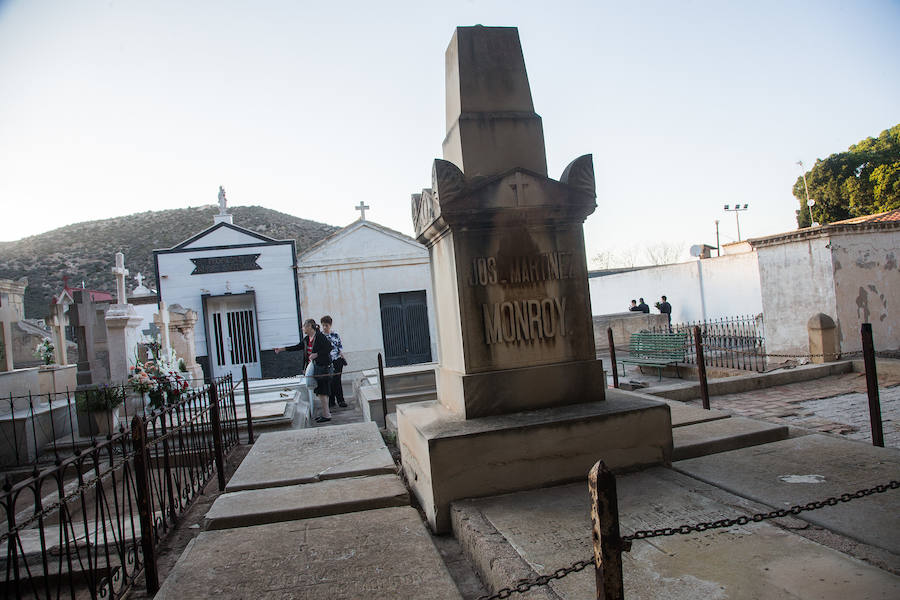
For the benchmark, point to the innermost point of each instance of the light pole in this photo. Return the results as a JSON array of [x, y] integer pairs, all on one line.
[[809, 203], [718, 245], [737, 210]]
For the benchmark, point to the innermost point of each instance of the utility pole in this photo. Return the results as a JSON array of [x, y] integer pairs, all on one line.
[[718, 245], [809, 203]]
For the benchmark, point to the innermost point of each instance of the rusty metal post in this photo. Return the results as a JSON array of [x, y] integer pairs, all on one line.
[[144, 502], [872, 385], [607, 542], [167, 466], [383, 394], [701, 367], [612, 357], [247, 404], [217, 434]]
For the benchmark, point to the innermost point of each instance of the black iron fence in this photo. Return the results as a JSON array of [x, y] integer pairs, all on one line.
[[732, 342], [88, 525]]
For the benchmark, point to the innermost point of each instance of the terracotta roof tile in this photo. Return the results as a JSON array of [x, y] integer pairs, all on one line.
[[885, 217]]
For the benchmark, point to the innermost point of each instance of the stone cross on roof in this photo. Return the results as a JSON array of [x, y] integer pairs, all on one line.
[[140, 279], [362, 208], [120, 272]]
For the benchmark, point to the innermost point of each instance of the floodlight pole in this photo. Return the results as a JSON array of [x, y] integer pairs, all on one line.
[[737, 210]]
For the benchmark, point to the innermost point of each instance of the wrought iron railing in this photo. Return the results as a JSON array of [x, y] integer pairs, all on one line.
[[88, 525], [731, 342]]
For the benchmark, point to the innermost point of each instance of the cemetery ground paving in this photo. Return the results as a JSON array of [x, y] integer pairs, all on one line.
[[837, 404]]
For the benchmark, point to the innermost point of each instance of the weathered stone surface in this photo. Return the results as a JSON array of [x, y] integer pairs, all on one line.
[[289, 503], [384, 553], [307, 455], [685, 414], [446, 457], [551, 528], [763, 473], [722, 435]]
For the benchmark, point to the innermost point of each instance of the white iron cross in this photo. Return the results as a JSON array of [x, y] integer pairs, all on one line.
[[120, 272], [362, 208]]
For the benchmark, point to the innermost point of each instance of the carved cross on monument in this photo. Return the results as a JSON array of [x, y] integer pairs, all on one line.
[[140, 279], [518, 188], [362, 208], [120, 272]]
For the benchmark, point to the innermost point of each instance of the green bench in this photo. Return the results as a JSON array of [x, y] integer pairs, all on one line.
[[656, 350]]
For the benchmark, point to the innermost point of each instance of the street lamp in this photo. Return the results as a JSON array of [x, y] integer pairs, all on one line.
[[809, 203], [737, 210]]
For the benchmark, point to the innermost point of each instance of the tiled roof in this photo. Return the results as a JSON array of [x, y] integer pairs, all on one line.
[[885, 217]]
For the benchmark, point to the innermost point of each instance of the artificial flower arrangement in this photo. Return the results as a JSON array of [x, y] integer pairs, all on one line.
[[160, 378], [44, 351]]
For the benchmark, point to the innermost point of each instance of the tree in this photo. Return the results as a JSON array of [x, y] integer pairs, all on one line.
[[864, 180]]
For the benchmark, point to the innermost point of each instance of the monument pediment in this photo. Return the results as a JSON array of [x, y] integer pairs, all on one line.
[[518, 194]]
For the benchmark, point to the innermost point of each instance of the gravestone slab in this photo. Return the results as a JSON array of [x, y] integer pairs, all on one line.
[[384, 553], [769, 474], [551, 528], [721, 435], [307, 455], [289, 503]]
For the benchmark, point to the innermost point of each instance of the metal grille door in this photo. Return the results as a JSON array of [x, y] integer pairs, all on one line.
[[232, 322], [404, 328]]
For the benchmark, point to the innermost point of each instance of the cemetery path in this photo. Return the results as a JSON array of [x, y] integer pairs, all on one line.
[[837, 404]]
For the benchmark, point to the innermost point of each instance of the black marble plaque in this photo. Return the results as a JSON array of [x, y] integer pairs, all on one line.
[[225, 264]]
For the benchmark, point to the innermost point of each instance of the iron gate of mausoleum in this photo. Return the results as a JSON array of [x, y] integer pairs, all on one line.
[[404, 328]]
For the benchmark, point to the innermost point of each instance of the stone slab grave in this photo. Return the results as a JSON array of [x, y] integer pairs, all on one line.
[[709, 437], [536, 532], [518, 377], [814, 467], [383, 553], [306, 455], [685, 414], [304, 501]]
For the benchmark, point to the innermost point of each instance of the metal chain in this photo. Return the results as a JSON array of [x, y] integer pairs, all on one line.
[[525, 585], [775, 514]]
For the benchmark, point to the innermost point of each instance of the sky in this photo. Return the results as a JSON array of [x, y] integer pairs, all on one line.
[[113, 107]]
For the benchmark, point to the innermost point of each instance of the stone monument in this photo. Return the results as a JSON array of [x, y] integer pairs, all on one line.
[[521, 395], [122, 326], [176, 326]]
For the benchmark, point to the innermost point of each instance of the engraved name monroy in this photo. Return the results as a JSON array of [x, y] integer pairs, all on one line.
[[548, 266], [524, 320]]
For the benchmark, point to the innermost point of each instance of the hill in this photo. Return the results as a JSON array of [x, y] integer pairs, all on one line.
[[86, 251]]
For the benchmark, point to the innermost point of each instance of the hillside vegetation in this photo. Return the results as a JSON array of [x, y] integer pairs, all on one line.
[[86, 251]]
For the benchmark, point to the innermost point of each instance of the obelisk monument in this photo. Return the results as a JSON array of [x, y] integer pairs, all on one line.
[[518, 379]]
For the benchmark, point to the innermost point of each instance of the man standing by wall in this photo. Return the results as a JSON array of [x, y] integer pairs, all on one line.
[[665, 308]]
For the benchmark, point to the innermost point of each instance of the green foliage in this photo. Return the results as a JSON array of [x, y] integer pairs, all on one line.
[[100, 398], [864, 180]]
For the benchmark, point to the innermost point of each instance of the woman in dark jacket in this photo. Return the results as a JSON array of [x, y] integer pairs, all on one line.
[[316, 351]]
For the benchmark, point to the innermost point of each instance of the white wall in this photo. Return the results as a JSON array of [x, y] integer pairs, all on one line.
[[697, 290], [273, 284], [797, 279], [867, 287]]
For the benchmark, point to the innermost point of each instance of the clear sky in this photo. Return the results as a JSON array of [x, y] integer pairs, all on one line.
[[113, 107]]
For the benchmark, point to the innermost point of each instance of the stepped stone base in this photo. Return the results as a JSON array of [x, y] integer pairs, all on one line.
[[447, 458]]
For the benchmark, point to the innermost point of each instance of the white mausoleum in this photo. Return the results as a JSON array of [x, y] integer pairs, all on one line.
[[376, 285], [244, 287]]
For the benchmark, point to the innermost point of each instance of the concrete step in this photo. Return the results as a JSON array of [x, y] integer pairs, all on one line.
[[305, 501], [722, 435], [370, 401]]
